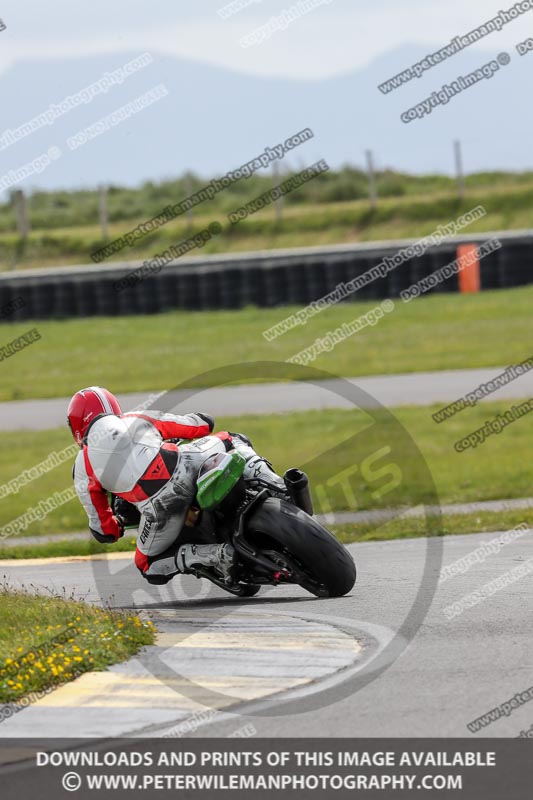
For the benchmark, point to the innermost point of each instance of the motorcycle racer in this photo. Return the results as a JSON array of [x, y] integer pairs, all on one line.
[[135, 457]]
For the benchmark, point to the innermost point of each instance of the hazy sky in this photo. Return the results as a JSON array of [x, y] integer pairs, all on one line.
[[335, 37]]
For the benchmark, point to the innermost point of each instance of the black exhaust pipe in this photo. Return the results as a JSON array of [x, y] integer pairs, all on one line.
[[297, 484]]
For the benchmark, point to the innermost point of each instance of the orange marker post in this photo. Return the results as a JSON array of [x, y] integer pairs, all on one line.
[[469, 274]]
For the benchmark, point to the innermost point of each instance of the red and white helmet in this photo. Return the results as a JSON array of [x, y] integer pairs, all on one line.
[[86, 405]]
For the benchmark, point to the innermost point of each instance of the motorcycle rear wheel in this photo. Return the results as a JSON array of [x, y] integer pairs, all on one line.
[[328, 566]]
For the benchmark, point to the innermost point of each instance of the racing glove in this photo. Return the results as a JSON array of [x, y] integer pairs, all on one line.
[[109, 538], [206, 418]]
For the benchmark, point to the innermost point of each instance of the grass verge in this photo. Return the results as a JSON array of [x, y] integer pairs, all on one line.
[[46, 641], [308, 223], [324, 443], [64, 547], [446, 525], [440, 332], [348, 533]]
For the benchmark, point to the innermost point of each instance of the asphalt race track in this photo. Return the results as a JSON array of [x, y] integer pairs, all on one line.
[[384, 661], [287, 664], [419, 388]]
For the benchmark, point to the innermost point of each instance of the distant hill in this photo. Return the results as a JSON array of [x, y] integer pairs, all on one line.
[[214, 119]]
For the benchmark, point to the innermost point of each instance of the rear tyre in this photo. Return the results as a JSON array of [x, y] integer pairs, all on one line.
[[249, 589], [278, 525]]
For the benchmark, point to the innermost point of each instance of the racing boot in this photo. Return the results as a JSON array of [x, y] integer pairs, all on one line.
[[219, 556], [258, 472]]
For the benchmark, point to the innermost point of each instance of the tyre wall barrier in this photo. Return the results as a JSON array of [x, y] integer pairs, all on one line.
[[288, 278]]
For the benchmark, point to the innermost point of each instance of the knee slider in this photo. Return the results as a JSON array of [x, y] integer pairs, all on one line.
[[157, 580]]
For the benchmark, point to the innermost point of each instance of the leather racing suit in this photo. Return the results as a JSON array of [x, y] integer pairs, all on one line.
[[131, 456]]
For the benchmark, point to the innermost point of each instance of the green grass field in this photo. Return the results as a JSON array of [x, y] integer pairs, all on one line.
[[348, 533], [435, 333], [330, 210], [325, 444], [49, 640], [150, 353]]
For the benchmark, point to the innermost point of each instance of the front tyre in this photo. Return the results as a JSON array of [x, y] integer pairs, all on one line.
[[327, 568]]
